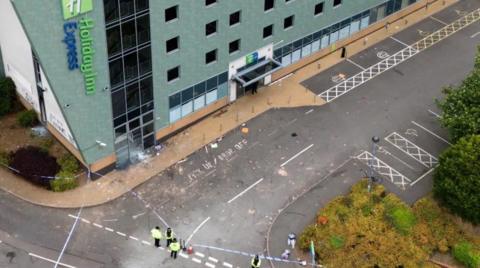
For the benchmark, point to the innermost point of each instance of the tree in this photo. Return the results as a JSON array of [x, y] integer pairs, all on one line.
[[457, 178], [461, 106]]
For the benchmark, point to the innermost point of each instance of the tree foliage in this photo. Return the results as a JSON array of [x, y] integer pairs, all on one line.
[[464, 253], [461, 106], [457, 178]]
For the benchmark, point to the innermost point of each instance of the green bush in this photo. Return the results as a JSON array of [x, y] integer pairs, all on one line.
[[27, 118], [402, 218], [46, 144], [7, 95], [68, 163], [464, 253], [5, 158], [65, 181], [337, 241]]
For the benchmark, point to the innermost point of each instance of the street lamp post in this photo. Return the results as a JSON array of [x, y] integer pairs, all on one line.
[[371, 179]]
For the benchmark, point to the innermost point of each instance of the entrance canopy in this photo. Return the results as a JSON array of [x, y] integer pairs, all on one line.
[[257, 72]]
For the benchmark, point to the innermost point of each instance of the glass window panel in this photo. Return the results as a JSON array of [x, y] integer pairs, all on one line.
[[148, 141], [147, 118], [211, 83], [297, 44], [315, 45], [287, 49], [143, 29], [142, 5], [126, 7], [145, 60], [119, 131], [110, 7], [187, 108], [364, 22], [317, 35], [333, 37], [354, 27], [113, 40], [134, 124], [175, 114], [199, 89], [119, 120], [344, 32], [199, 102], [287, 59], [147, 107], [306, 50], [116, 72], [222, 78], [147, 129], [211, 96], [118, 103], [175, 100], [128, 34], [146, 90], [131, 66], [296, 55], [307, 40], [325, 40], [133, 97], [187, 95], [133, 114]]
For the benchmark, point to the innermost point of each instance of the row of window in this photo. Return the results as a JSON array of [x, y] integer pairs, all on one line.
[[270, 5], [121, 9]]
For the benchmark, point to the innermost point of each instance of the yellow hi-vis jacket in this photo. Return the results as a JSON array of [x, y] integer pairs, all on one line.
[[175, 246], [256, 265], [156, 234]]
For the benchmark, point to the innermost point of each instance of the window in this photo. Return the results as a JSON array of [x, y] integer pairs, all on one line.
[[210, 2], [211, 56], [210, 28], [234, 46], [288, 22], [288, 1], [269, 4], [337, 3], [268, 31], [318, 8], [173, 74], [235, 18], [172, 44], [171, 13]]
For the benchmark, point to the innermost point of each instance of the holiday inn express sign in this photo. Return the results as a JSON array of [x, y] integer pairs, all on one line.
[[71, 9]]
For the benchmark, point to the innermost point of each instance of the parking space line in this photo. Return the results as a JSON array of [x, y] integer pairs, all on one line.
[[196, 260], [398, 41], [209, 265], [226, 264], [429, 131], [475, 34], [196, 230], [201, 255], [381, 149], [295, 156], [356, 64], [411, 149], [244, 191], [309, 111], [421, 177], [381, 168], [438, 20], [212, 259], [50, 260], [435, 114]]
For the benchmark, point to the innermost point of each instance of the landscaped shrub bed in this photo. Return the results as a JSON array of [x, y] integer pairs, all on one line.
[[377, 229]]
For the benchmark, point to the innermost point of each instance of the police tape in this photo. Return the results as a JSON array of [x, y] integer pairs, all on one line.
[[270, 258], [14, 170]]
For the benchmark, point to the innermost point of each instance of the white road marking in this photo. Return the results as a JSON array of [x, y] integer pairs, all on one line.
[[196, 260], [122, 234], [196, 230], [138, 215], [1, 241], [253, 145], [209, 265], [50, 260], [210, 173], [429, 131], [212, 259], [295, 156], [356, 64], [183, 255], [109, 229], [226, 264], [398, 41], [133, 237], [72, 216], [435, 19], [68, 238], [85, 221], [97, 225], [421, 177], [291, 122], [146, 242], [475, 34], [383, 150], [435, 114], [309, 111], [244, 191], [201, 255], [273, 132], [111, 220]]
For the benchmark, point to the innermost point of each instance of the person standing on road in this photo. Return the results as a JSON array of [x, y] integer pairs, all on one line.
[[157, 235], [174, 248], [256, 262], [292, 238], [169, 236]]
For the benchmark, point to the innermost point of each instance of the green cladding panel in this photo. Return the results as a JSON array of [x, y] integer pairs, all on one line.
[[88, 113], [190, 27]]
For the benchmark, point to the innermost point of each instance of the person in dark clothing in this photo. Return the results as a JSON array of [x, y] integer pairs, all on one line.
[[169, 236]]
